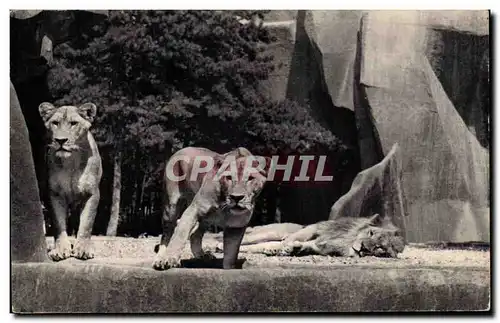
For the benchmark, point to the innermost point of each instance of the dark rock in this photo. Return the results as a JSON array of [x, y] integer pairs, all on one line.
[[26, 238]]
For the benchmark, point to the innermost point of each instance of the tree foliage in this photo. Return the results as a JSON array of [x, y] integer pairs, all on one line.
[[164, 74]]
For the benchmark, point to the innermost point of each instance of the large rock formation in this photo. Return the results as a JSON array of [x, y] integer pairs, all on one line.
[[315, 53], [26, 227], [367, 75], [398, 98], [376, 189]]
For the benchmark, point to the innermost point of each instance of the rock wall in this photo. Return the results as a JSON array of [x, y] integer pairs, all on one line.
[[314, 61], [445, 168], [377, 189], [101, 288], [26, 220], [367, 75]]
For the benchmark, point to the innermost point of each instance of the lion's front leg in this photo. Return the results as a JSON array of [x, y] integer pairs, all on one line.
[[196, 240], [62, 248], [170, 256], [83, 249], [232, 243], [294, 242], [169, 219]]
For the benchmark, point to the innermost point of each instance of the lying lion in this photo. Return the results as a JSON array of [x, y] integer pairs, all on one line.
[[344, 236]]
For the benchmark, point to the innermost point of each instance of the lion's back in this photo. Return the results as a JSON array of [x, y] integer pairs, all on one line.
[[342, 227]]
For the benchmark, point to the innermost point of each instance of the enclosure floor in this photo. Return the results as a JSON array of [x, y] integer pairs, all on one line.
[[139, 252], [120, 279]]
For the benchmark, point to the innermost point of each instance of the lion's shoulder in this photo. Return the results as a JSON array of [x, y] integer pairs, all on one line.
[[93, 147]]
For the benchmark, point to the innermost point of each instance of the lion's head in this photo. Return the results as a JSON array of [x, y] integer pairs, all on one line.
[[67, 125], [379, 237], [240, 181]]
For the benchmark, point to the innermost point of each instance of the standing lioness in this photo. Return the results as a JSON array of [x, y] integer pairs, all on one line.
[[223, 194], [74, 174]]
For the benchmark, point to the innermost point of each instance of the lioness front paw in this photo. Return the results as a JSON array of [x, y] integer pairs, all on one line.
[[61, 251], [166, 262], [82, 250]]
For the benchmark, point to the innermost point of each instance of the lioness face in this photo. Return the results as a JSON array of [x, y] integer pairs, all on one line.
[[68, 126], [242, 186]]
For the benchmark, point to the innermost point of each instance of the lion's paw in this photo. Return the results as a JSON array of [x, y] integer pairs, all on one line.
[[82, 250], [271, 251], [290, 249], [283, 253], [163, 263], [61, 251]]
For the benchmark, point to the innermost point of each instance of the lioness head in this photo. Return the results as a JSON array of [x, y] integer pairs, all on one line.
[[68, 126], [379, 237], [241, 181]]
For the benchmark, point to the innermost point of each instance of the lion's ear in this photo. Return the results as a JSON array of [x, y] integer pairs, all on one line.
[[88, 111], [238, 152], [46, 110], [243, 152], [376, 219]]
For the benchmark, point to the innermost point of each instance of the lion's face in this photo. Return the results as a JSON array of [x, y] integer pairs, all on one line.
[[239, 185], [382, 242], [380, 238], [242, 187], [67, 125]]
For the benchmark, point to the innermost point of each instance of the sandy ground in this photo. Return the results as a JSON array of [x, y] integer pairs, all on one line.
[[139, 252]]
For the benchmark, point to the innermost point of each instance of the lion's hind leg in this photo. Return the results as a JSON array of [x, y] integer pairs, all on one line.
[[260, 237], [270, 248], [270, 232], [196, 239]]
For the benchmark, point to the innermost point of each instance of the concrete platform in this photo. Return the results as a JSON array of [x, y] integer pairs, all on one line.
[[124, 282]]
